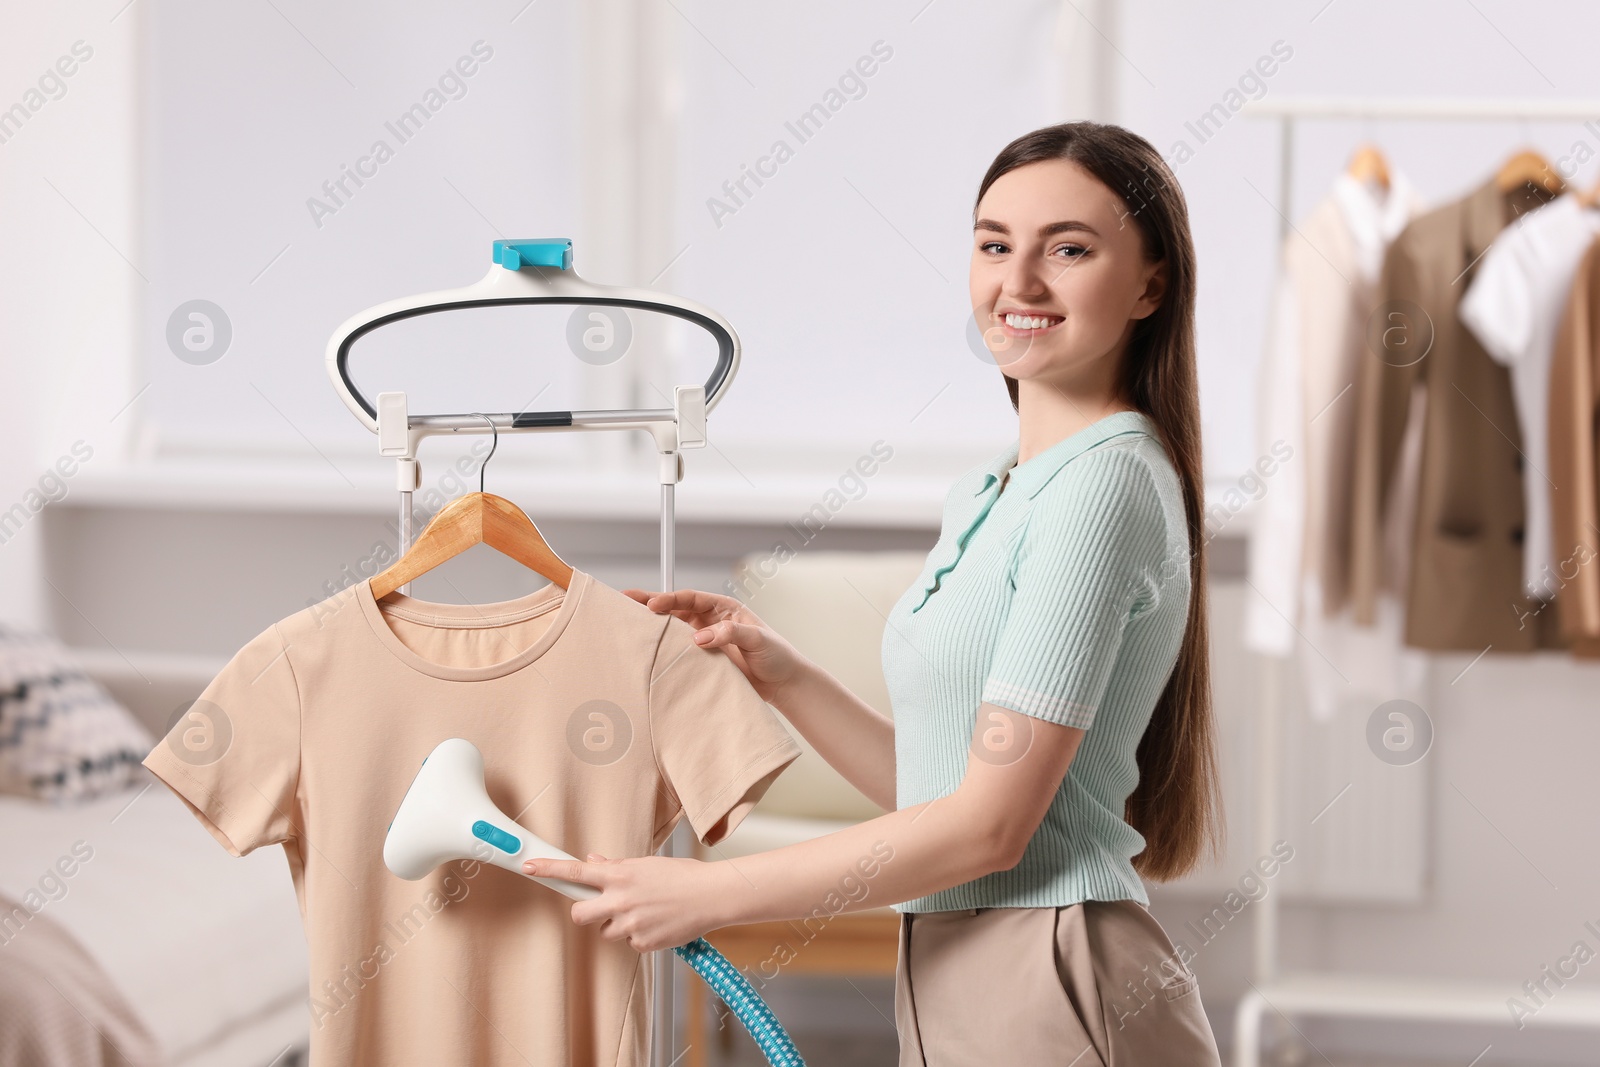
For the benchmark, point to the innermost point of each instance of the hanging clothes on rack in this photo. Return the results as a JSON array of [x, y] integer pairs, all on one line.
[[1341, 988], [1463, 590], [1514, 307], [602, 724], [1299, 548], [1574, 442]]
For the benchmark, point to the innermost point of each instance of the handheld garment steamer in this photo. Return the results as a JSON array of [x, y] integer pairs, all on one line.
[[447, 815]]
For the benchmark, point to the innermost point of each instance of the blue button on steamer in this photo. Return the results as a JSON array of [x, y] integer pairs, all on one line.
[[496, 837]]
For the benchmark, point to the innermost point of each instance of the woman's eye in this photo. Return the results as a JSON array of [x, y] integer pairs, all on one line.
[[996, 248]]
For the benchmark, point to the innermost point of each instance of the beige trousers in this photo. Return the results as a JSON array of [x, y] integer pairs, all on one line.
[[1095, 984]]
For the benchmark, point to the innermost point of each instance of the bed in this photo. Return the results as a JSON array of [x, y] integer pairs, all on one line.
[[168, 950]]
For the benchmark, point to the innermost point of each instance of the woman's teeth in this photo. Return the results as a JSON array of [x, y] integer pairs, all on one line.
[[1030, 322]]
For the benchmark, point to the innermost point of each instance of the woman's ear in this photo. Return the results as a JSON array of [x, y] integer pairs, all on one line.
[[1155, 289]]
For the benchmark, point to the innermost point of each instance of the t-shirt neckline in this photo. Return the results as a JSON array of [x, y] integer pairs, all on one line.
[[473, 616]]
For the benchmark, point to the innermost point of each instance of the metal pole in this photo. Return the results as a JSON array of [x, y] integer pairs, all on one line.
[[1431, 110], [405, 532], [1267, 755], [663, 1024], [1273, 672]]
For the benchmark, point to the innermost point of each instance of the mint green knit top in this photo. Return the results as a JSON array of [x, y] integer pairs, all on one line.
[[1063, 595]]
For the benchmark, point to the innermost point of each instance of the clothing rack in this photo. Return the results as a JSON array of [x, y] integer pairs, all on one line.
[[1331, 994], [538, 272]]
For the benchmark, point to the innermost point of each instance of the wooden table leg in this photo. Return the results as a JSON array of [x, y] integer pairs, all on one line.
[[694, 1028]]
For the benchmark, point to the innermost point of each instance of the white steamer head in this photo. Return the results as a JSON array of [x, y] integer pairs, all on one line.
[[447, 815]]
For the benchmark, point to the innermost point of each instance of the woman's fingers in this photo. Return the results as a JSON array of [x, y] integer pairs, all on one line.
[[697, 600], [723, 622], [566, 870], [696, 607], [741, 635]]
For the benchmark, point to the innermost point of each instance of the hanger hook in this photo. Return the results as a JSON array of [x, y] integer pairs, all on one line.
[[496, 430]]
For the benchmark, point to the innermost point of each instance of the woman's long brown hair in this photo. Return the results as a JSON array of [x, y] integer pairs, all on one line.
[[1177, 803]]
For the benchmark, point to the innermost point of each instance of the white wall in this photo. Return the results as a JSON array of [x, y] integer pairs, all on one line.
[[257, 117], [72, 266]]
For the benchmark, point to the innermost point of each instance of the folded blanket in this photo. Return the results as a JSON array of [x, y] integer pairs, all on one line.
[[57, 1007]]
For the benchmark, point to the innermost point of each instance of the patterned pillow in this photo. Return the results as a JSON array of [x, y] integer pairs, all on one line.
[[62, 736]]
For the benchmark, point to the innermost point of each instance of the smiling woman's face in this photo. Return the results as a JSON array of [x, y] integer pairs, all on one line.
[[1053, 246]]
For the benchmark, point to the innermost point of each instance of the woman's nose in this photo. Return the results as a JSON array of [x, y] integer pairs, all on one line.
[[1024, 278]]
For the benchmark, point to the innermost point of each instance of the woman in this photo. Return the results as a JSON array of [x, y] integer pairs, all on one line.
[[1052, 739]]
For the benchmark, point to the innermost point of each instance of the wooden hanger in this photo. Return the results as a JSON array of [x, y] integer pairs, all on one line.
[[1368, 164], [1528, 168], [474, 519]]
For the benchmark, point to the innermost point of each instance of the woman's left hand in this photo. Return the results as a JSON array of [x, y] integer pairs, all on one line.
[[653, 902]]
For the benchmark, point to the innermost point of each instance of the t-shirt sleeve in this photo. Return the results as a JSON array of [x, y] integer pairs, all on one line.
[[717, 743], [233, 756], [1093, 542]]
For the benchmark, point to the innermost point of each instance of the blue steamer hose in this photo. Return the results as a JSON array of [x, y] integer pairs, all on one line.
[[746, 1003]]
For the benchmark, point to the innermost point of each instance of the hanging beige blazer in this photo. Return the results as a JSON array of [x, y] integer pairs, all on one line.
[[1464, 588], [1574, 444]]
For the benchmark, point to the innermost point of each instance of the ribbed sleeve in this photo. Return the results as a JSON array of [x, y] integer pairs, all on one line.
[[1091, 543]]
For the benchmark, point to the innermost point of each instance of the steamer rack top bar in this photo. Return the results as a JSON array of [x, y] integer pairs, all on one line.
[[535, 271]]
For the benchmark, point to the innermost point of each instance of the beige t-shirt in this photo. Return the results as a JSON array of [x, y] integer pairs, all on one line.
[[601, 722]]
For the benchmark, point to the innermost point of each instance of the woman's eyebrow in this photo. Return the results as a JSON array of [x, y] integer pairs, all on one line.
[[1068, 226]]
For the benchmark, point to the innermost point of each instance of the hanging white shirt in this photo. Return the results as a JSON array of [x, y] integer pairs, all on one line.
[[1298, 559], [1513, 307]]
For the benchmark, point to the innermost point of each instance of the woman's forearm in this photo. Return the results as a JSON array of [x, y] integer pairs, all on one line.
[[896, 857], [853, 736]]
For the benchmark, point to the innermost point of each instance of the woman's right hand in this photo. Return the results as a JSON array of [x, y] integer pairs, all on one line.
[[721, 621]]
